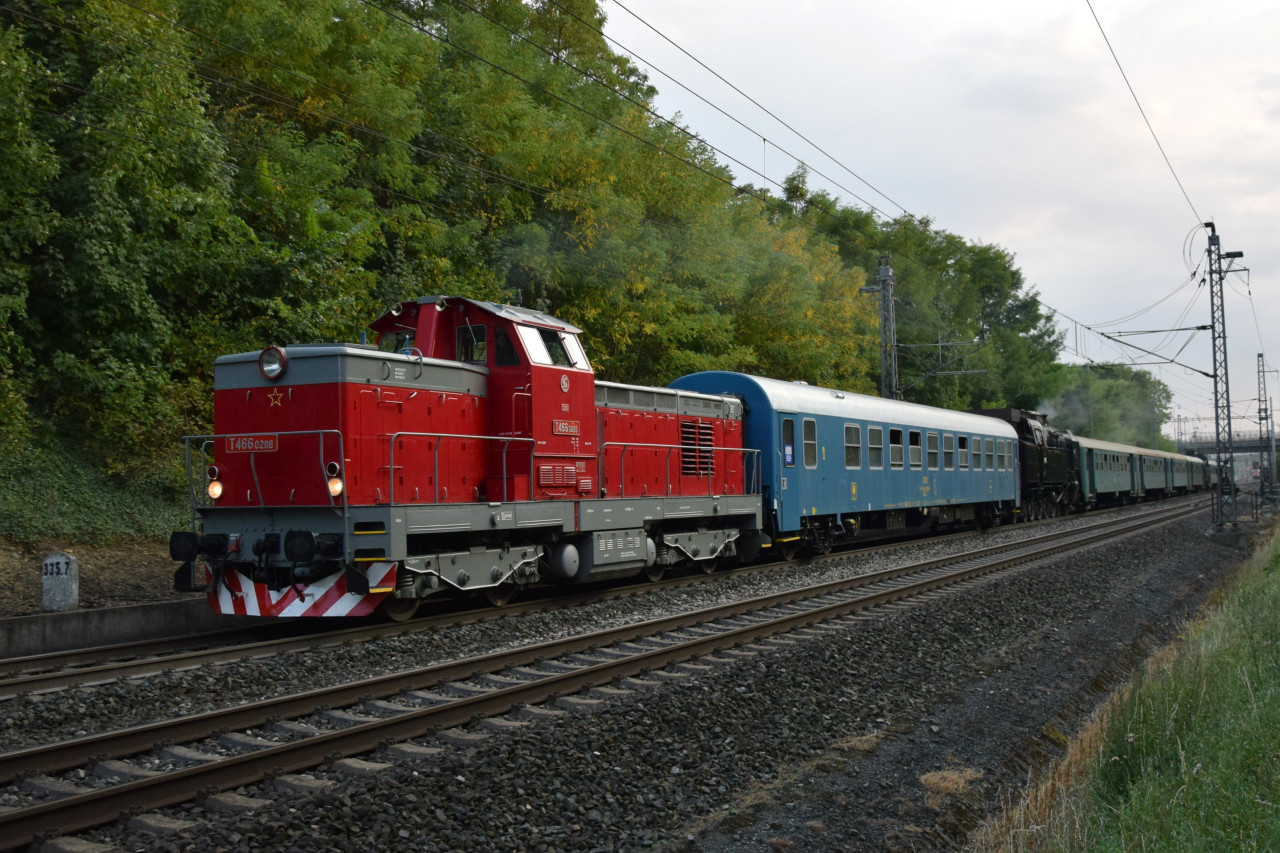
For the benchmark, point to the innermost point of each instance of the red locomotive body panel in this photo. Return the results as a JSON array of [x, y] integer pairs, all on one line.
[[435, 458], [664, 454], [351, 424], [259, 462], [657, 442]]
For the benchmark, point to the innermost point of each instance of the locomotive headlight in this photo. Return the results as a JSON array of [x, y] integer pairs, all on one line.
[[272, 362], [335, 482], [215, 485]]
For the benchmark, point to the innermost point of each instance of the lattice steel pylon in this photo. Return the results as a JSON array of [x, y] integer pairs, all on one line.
[[888, 331], [1266, 462], [1224, 505]]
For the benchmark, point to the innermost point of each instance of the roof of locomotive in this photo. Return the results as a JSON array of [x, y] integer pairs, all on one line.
[[812, 399], [514, 313]]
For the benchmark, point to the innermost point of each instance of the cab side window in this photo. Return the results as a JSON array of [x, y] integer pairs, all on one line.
[[472, 345], [504, 351]]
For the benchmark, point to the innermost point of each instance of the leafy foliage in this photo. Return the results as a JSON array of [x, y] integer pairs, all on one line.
[[185, 178]]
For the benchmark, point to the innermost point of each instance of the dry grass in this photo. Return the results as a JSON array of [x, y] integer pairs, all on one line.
[[952, 782], [860, 743], [1018, 825]]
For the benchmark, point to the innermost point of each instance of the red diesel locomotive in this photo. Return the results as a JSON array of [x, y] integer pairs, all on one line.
[[471, 449]]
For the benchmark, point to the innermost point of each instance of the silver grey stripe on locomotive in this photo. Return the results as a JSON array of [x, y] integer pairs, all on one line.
[[322, 364]]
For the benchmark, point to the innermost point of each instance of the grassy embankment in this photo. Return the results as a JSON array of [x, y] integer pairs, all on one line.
[[48, 492], [1188, 757]]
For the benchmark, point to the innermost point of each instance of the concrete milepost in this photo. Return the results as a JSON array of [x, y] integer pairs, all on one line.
[[61, 574]]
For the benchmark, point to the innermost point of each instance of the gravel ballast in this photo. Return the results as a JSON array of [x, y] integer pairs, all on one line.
[[816, 744]]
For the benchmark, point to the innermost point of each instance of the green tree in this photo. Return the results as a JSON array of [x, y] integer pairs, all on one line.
[[27, 166]]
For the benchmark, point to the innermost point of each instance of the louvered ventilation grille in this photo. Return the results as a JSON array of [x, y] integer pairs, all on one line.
[[696, 440]]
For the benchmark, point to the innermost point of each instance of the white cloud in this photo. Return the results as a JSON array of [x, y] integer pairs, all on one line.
[[1008, 122]]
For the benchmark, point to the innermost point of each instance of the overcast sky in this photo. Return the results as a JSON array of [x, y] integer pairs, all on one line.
[[1008, 122]]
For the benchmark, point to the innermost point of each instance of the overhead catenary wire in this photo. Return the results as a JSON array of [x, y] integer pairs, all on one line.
[[301, 107], [1143, 112], [469, 165], [760, 106], [765, 142]]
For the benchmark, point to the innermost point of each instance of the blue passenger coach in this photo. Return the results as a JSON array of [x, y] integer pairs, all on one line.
[[836, 463]]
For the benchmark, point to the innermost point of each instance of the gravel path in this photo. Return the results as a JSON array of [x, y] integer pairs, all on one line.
[[820, 744]]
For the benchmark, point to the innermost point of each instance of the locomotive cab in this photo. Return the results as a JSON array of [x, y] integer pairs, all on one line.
[[541, 387]]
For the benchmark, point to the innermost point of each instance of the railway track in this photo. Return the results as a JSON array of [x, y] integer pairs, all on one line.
[[271, 738], [87, 667]]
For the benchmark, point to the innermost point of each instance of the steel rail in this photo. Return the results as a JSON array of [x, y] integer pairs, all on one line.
[[122, 660], [92, 809]]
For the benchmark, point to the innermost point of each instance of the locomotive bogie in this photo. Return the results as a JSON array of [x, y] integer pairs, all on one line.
[[474, 569]]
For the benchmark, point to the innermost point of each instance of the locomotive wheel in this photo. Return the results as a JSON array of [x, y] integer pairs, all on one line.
[[789, 551], [500, 595], [400, 609], [708, 566], [654, 573]]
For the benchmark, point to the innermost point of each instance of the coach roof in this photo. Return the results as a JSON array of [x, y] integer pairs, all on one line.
[[800, 398]]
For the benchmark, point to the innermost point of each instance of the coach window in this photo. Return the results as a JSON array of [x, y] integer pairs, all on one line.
[[895, 448], [949, 452], [471, 344], [977, 453], [991, 454], [875, 447], [788, 442], [913, 447], [963, 442], [852, 446], [810, 443], [931, 450]]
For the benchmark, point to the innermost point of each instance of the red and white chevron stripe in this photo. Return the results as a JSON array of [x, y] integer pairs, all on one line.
[[240, 596]]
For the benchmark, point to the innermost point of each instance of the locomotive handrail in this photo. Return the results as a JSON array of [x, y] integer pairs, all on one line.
[[522, 391], [751, 476], [435, 460], [205, 440]]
